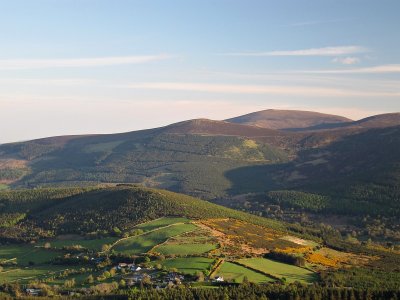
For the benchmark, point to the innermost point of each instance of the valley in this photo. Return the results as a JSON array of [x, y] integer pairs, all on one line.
[[250, 203], [155, 238]]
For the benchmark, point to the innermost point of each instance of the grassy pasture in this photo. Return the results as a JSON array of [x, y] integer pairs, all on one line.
[[143, 243], [233, 272], [27, 274], [280, 270], [162, 222], [3, 186], [184, 249], [26, 253], [188, 265]]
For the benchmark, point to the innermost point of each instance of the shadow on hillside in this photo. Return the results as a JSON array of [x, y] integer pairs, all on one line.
[[256, 178]]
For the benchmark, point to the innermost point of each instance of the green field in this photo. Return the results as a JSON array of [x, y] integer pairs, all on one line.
[[94, 244], [143, 243], [184, 249], [27, 274], [3, 186], [162, 222], [23, 254], [281, 270], [189, 265], [233, 272]]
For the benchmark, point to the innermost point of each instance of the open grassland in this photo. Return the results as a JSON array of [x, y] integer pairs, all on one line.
[[26, 274], [190, 243], [236, 273], [25, 254], [145, 242], [277, 269], [162, 222], [3, 186], [199, 236], [184, 249], [96, 244], [189, 265]]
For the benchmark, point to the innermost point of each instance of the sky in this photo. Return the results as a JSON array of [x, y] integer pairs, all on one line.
[[101, 66]]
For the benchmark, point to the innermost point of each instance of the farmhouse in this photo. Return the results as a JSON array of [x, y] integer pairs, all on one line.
[[122, 266], [33, 292]]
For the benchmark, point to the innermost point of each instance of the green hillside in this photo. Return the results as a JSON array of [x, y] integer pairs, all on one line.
[[192, 163], [75, 238], [103, 211], [355, 169], [359, 174]]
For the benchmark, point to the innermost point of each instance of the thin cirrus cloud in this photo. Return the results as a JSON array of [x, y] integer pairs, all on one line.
[[325, 51], [383, 69], [348, 60], [18, 64], [308, 91], [47, 81]]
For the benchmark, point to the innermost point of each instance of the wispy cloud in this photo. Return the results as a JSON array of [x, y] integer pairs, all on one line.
[[349, 60], [47, 81], [17, 64], [383, 69], [308, 91], [325, 51]]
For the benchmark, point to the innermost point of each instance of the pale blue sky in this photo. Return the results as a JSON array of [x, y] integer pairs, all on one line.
[[92, 66]]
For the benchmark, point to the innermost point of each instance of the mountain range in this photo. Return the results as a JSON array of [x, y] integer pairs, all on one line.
[[355, 164]]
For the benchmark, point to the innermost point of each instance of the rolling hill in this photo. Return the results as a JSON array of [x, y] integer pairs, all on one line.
[[49, 237], [190, 157], [287, 119], [358, 174], [29, 214], [352, 163]]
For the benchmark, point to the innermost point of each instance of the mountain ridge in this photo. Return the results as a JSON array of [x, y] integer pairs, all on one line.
[[207, 158], [287, 119]]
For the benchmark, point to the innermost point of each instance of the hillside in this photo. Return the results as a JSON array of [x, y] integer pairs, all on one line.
[[88, 239], [211, 127], [378, 121], [218, 159], [189, 157], [29, 214], [360, 173], [287, 119]]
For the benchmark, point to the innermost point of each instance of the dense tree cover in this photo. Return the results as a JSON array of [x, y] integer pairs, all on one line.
[[346, 172], [11, 174], [245, 291], [197, 162], [253, 292], [298, 199], [355, 175], [49, 212], [362, 278], [286, 258], [22, 201], [359, 173]]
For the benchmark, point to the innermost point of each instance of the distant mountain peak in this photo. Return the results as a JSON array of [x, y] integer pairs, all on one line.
[[287, 119], [213, 127]]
